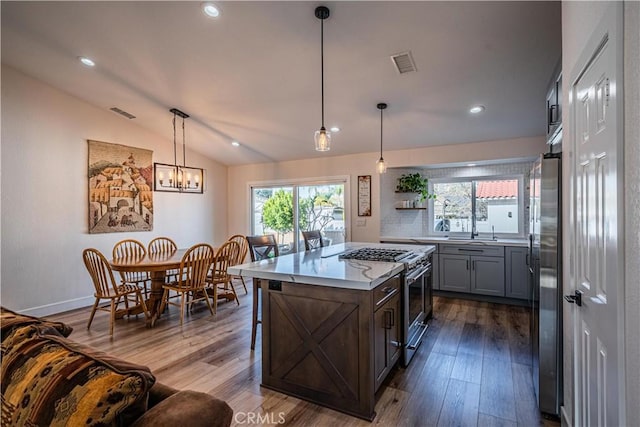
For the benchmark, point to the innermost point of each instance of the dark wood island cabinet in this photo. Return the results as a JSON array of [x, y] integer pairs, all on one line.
[[332, 325], [331, 346]]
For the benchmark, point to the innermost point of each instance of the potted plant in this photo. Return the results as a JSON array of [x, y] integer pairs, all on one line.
[[415, 183]]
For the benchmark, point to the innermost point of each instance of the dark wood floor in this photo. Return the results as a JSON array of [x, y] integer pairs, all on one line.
[[472, 369]]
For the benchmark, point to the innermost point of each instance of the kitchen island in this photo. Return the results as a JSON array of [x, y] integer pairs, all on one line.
[[331, 328]]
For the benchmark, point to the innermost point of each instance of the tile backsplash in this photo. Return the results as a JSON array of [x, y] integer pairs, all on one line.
[[413, 222]]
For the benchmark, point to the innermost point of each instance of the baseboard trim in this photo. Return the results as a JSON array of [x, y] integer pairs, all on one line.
[[564, 417], [59, 307]]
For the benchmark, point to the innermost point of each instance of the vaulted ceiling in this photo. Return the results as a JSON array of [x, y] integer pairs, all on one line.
[[253, 74]]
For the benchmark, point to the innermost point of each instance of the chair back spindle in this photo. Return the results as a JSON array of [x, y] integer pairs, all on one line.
[[162, 245], [243, 248], [195, 266], [100, 272], [130, 248]]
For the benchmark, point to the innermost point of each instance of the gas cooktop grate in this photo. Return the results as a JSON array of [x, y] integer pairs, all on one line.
[[376, 254]]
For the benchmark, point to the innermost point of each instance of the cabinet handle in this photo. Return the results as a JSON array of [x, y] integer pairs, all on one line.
[[388, 319], [470, 250], [473, 265], [393, 317], [467, 264], [553, 120]]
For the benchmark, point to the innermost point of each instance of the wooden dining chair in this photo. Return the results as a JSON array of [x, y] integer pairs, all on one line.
[[312, 240], [260, 247], [192, 276], [242, 254], [218, 279], [130, 248], [107, 288], [164, 245]]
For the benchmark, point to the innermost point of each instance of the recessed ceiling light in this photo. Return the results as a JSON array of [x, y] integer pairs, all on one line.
[[235, 143], [471, 164], [476, 109], [211, 10], [335, 129], [86, 61]]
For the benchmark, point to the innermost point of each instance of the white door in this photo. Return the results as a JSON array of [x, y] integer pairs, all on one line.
[[598, 245]]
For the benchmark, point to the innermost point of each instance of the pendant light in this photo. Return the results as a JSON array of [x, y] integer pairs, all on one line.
[[176, 177], [380, 164], [322, 137]]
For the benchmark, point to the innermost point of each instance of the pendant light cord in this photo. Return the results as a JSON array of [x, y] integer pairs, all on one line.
[[322, 66], [175, 153], [184, 147], [381, 133]]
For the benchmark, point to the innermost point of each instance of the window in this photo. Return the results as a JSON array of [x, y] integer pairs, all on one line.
[[483, 205], [288, 210]]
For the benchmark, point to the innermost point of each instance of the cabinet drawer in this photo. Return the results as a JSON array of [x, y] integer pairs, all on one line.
[[385, 292], [474, 250]]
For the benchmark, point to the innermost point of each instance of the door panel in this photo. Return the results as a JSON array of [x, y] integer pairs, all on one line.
[[487, 275], [598, 215], [454, 273]]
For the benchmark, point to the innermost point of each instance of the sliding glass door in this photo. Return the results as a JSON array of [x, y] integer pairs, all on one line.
[[288, 210]]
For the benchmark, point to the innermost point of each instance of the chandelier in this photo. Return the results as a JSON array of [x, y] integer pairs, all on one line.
[[175, 177]]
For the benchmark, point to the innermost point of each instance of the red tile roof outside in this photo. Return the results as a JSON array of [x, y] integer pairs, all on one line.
[[505, 189]]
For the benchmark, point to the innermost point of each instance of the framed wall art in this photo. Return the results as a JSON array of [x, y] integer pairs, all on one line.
[[364, 195], [120, 188]]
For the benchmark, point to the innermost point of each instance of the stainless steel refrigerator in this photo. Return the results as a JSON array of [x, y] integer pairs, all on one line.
[[545, 267]]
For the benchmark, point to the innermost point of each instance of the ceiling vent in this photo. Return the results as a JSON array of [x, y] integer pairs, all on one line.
[[122, 113], [404, 62]]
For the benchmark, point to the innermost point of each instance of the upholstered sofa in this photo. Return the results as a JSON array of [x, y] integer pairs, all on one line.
[[49, 380]]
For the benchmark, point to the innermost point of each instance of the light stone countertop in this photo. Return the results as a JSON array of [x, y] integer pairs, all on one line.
[[456, 241], [323, 267]]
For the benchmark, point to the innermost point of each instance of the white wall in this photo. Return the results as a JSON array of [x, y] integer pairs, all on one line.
[[578, 18], [45, 189], [364, 164]]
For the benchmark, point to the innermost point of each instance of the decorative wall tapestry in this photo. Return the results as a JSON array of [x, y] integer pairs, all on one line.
[[120, 188]]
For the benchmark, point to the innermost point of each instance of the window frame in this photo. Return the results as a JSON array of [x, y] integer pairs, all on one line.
[[484, 235], [303, 182]]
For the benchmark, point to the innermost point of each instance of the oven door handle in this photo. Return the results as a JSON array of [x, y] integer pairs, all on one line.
[[421, 271], [417, 341]]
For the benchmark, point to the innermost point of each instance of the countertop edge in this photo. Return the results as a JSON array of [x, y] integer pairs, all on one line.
[[246, 271], [436, 240]]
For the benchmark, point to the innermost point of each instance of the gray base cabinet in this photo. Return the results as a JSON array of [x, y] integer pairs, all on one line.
[[517, 273], [472, 269], [487, 275], [454, 273]]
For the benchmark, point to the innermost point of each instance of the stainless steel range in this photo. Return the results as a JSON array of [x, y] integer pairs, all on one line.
[[417, 294]]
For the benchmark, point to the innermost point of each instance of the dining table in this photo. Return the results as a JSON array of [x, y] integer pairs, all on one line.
[[157, 265]]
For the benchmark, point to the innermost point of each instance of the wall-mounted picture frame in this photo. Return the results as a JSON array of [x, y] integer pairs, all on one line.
[[120, 195], [364, 195], [177, 179]]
